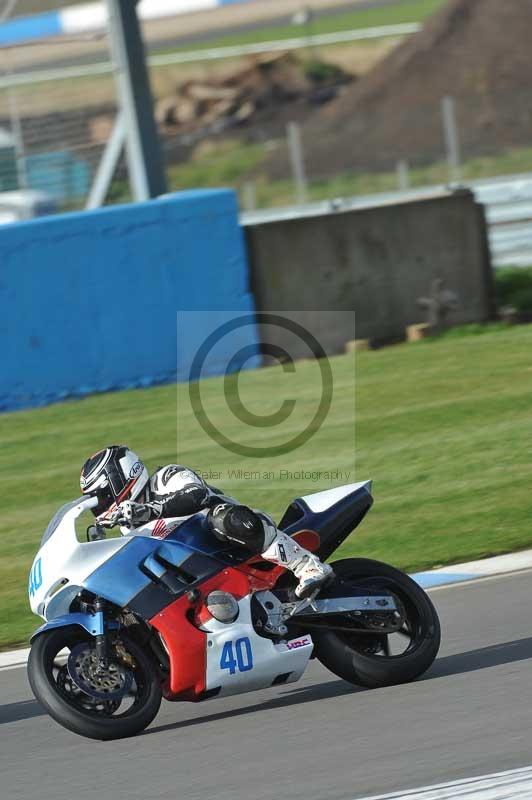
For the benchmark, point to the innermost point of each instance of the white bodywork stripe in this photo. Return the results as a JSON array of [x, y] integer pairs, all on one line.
[[321, 501]]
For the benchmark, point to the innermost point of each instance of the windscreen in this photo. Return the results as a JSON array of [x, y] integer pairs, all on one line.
[[58, 516]]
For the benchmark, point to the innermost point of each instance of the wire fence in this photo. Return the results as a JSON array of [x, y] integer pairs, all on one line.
[[52, 132]]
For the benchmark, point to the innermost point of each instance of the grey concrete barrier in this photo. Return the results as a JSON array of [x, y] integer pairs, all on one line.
[[376, 261]]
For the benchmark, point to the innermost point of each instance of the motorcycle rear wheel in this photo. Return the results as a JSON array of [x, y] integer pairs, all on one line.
[[365, 659], [80, 713]]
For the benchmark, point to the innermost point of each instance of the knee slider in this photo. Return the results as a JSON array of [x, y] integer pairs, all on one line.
[[240, 524]]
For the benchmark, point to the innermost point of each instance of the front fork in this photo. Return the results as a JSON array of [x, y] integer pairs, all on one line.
[[100, 638]]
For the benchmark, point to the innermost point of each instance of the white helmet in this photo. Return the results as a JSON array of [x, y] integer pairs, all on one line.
[[113, 475]]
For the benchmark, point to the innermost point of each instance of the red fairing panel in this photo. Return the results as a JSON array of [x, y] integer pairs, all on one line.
[[186, 644], [186, 649]]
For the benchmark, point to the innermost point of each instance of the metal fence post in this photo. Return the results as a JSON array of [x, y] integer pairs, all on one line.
[[16, 125], [107, 166], [249, 196], [16, 128], [403, 178], [452, 143], [145, 159], [298, 163]]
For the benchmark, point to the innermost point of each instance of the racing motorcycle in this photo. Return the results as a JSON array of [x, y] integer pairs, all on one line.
[[170, 611]]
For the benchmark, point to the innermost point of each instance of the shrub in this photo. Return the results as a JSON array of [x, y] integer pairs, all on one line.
[[322, 72], [513, 287]]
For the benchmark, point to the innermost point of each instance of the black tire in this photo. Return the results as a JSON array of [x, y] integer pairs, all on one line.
[[344, 653], [82, 721]]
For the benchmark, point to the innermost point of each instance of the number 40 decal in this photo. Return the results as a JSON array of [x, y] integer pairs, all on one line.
[[237, 655], [35, 581]]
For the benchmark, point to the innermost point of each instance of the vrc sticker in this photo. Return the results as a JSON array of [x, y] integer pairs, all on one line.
[[296, 643]]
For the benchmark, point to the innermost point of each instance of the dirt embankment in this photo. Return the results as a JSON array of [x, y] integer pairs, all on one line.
[[478, 51]]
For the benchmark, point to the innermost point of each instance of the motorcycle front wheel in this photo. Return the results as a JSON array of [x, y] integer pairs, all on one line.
[[120, 701], [374, 660]]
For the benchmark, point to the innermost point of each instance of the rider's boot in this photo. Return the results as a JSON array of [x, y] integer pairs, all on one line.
[[307, 567]]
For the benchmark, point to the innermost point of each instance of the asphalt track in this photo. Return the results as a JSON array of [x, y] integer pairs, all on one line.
[[321, 738]]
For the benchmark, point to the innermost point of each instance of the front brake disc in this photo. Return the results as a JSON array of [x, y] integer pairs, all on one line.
[[109, 683]]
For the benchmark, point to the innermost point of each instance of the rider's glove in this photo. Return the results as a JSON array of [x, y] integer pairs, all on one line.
[[134, 514], [111, 520]]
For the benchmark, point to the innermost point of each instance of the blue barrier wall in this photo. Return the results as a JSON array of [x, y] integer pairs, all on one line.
[[27, 29], [89, 302]]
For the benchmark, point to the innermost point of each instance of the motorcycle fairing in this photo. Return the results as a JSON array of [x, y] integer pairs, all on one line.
[[147, 574], [93, 624], [196, 533], [62, 562], [154, 578], [196, 650], [116, 569], [333, 514], [192, 551], [239, 660]]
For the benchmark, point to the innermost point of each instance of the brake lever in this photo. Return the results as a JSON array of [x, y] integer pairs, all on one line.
[[111, 522]]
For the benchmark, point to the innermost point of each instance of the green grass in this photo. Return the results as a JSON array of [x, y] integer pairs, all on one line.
[[233, 164], [393, 14], [272, 193], [443, 427]]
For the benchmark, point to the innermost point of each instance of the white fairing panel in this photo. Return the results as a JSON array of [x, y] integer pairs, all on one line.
[[239, 660], [321, 501], [63, 558]]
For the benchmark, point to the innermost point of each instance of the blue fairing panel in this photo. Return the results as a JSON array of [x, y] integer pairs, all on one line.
[[149, 573], [121, 578], [93, 624], [196, 534]]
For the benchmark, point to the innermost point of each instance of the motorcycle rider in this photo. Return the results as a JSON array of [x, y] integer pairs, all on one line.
[[129, 497]]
